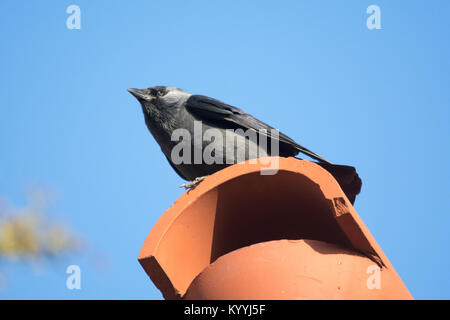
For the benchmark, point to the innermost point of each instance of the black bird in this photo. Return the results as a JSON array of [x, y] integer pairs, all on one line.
[[167, 109]]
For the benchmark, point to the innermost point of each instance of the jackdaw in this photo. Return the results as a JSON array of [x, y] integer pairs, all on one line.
[[167, 109]]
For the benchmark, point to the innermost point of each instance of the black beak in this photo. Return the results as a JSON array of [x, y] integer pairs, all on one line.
[[138, 94]]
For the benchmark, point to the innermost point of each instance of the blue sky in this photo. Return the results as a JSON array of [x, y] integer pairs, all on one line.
[[375, 99]]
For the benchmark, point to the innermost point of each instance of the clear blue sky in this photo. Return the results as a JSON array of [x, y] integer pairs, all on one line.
[[375, 99]]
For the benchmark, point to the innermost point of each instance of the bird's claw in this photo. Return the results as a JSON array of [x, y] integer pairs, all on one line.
[[192, 184]]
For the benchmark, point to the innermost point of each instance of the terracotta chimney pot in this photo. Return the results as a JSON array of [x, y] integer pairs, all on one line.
[[243, 235]]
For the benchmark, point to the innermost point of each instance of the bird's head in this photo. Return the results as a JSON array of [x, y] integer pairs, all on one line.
[[160, 97]]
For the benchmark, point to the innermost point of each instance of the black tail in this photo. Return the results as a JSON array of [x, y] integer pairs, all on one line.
[[347, 177]]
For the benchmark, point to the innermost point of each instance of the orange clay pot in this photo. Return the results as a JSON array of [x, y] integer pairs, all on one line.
[[225, 239]]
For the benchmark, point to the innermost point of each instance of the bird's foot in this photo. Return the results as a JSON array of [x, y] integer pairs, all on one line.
[[193, 184]]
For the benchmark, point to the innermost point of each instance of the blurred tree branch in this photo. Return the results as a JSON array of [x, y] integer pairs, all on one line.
[[26, 233]]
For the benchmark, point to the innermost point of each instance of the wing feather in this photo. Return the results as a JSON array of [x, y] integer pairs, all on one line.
[[209, 109]]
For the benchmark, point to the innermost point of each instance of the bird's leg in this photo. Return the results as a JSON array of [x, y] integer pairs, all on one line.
[[193, 184]]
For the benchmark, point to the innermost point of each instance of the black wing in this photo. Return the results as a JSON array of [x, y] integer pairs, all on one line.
[[215, 111]]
